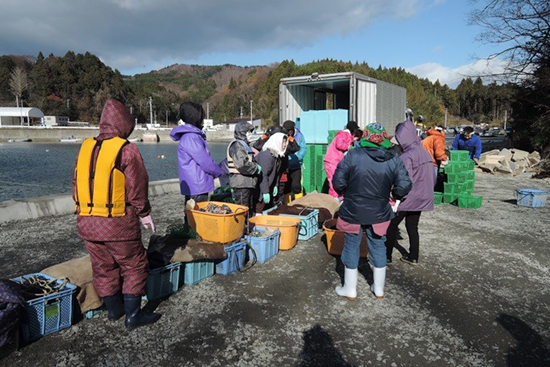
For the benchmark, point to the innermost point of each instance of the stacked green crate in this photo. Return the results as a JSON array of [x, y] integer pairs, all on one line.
[[313, 174], [460, 181], [331, 135]]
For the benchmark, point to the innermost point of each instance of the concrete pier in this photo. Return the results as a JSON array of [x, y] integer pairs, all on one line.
[[480, 296]]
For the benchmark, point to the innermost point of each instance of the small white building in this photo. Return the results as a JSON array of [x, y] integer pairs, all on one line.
[[56, 120], [20, 116]]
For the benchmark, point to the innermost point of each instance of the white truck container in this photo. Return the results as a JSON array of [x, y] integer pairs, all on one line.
[[366, 99]]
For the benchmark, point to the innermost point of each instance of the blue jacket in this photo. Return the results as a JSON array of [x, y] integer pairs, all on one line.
[[473, 145], [295, 160]]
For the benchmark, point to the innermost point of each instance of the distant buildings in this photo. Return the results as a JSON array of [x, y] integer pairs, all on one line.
[[20, 116]]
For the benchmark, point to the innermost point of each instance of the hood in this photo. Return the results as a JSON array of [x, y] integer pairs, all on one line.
[[406, 135], [178, 131], [241, 129], [116, 121], [275, 144], [435, 132], [379, 154]]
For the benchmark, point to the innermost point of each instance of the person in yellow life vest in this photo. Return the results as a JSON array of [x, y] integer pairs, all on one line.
[[110, 189]]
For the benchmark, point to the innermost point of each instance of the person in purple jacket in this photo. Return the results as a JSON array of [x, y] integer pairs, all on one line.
[[196, 167], [421, 197]]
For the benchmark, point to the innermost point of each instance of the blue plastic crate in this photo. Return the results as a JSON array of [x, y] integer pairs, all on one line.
[[235, 260], [46, 315], [531, 197], [266, 247], [309, 226], [196, 271], [162, 282]]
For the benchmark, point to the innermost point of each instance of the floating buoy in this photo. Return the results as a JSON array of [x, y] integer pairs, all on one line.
[[160, 156]]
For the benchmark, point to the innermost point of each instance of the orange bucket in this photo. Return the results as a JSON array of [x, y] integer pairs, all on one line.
[[335, 239], [288, 226], [220, 228]]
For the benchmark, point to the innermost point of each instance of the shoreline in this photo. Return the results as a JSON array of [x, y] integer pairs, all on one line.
[[54, 134], [61, 204]]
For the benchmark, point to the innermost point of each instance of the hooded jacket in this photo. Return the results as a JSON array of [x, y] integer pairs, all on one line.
[[435, 146], [338, 147], [366, 177], [270, 160], [419, 166], [116, 121], [196, 167], [241, 154]]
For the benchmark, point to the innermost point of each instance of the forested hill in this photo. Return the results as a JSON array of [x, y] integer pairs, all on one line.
[[78, 84]]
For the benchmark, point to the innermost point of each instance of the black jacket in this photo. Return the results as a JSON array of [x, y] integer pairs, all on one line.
[[365, 177]]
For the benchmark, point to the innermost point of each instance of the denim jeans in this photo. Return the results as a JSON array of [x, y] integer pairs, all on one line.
[[376, 244]]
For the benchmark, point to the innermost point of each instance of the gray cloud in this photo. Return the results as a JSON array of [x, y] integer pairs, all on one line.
[[131, 33]]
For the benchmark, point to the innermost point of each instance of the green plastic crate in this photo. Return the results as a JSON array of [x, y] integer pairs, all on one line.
[[438, 197], [457, 177], [468, 201], [458, 155], [449, 198], [331, 135], [470, 164], [470, 175], [451, 168], [450, 188]]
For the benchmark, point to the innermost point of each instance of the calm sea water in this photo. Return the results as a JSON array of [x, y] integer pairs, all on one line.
[[38, 169]]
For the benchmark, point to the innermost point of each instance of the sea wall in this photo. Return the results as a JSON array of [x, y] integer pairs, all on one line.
[[52, 205], [53, 134]]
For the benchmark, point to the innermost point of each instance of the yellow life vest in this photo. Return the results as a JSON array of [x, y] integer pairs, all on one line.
[[107, 197]]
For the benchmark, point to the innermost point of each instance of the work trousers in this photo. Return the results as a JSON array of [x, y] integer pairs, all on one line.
[[244, 196], [352, 250], [118, 266], [411, 223]]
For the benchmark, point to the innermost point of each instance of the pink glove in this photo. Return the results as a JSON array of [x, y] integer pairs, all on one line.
[[147, 222]]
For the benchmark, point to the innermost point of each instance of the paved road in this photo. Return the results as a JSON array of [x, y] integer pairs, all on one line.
[[480, 297]]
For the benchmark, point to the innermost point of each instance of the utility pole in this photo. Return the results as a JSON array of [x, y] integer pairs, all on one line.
[[151, 108], [241, 111], [445, 119], [207, 110], [251, 110]]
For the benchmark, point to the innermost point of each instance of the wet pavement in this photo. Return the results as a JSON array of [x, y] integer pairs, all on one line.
[[479, 297]]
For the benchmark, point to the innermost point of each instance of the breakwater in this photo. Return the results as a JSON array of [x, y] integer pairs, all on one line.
[[54, 134]]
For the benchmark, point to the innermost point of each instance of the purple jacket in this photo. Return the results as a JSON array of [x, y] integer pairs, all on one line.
[[196, 167], [420, 168]]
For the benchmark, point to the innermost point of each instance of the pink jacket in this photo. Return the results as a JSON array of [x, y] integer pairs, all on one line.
[[340, 144]]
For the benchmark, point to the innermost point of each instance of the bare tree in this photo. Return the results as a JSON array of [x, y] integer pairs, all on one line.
[[18, 83], [521, 27]]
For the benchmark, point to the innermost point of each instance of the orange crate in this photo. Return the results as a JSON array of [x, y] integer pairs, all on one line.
[[335, 240], [220, 228], [288, 226]]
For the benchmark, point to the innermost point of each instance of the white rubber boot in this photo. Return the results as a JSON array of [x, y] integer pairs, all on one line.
[[349, 290], [379, 279]]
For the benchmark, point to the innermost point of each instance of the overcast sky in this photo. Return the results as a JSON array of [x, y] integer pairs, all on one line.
[[430, 38]]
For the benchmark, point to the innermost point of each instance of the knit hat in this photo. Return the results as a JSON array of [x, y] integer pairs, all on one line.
[[375, 136], [288, 125]]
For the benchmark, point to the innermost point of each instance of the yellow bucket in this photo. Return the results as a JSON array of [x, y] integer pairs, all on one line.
[[288, 226], [335, 239], [220, 228]]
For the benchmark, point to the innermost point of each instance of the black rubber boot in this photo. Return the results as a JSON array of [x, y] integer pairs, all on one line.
[[114, 306], [135, 317]]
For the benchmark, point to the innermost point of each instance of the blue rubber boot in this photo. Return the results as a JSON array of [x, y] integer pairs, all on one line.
[[114, 306], [135, 317]]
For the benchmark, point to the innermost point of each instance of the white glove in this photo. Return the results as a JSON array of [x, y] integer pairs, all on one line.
[[444, 163], [147, 222], [394, 207]]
